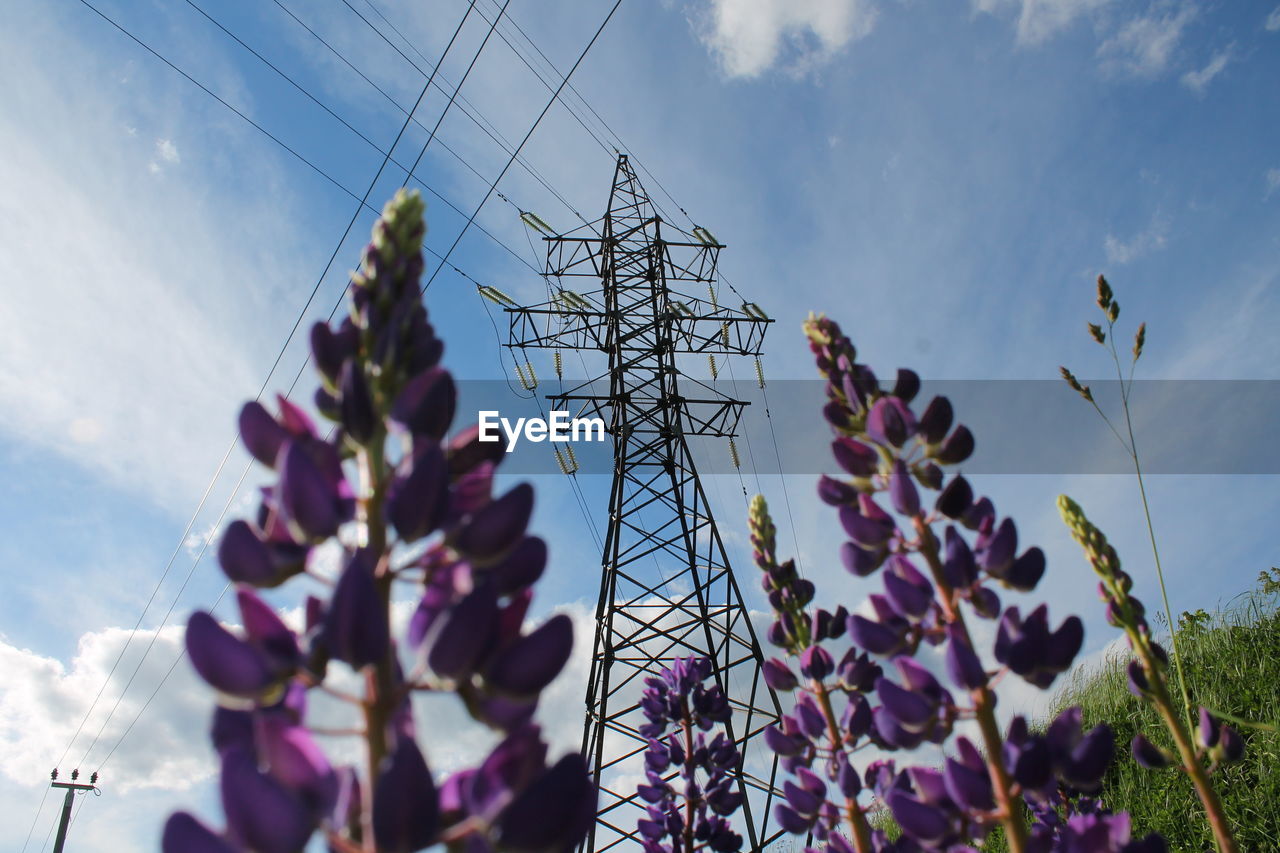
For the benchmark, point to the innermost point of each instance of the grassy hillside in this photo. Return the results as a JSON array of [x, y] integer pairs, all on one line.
[[1232, 659]]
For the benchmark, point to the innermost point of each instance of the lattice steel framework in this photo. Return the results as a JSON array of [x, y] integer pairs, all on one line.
[[667, 588]]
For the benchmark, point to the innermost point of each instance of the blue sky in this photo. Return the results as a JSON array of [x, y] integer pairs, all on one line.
[[946, 179]]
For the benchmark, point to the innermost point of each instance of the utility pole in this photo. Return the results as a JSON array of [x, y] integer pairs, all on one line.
[[641, 293], [73, 787]]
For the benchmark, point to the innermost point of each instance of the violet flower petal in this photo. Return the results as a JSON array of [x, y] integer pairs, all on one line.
[[406, 808], [183, 833], [531, 663], [226, 662]]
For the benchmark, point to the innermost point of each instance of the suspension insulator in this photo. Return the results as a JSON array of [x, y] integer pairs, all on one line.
[[724, 332], [573, 460], [733, 454], [526, 382], [711, 288], [533, 377], [715, 373], [560, 460], [535, 222], [496, 296], [759, 372], [559, 362]]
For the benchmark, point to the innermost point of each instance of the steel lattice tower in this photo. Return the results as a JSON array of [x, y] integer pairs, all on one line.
[[646, 299]]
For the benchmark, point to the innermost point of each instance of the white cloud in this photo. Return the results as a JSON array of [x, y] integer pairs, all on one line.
[[42, 701], [167, 151], [750, 37], [1040, 19], [1144, 46], [1272, 23], [1198, 81], [1272, 179], [1151, 239]]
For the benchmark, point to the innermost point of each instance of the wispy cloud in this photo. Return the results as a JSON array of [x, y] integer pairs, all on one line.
[[1038, 20], [1272, 23], [1272, 180], [1198, 80], [1151, 239], [1145, 45], [166, 155], [751, 37]]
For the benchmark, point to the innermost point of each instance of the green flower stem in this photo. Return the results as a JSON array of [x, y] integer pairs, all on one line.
[[984, 701]]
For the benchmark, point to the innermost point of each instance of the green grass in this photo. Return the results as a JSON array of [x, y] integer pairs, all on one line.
[[1232, 661]]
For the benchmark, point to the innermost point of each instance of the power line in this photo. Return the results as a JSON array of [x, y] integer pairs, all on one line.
[[275, 364], [36, 819], [555, 95]]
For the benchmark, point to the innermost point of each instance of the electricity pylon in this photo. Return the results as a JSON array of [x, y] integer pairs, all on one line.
[[647, 299]]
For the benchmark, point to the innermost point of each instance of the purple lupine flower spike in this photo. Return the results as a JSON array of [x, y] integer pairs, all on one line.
[[184, 834], [405, 805]]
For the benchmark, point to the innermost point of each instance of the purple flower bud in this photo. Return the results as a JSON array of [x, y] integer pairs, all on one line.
[[936, 420], [923, 823], [995, 552], [856, 720], [890, 421], [1138, 684], [307, 498], [810, 720], [329, 349], [1208, 729], [847, 778], [244, 557], [406, 808], [1231, 744], [1030, 762], [426, 404], [910, 710], [466, 450], [909, 591], [231, 728], [261, 435], [267, 633], [958, 565], [783, 744], [956, 448], [1147, 754], [977, 514], [493, 529], [356, 403], [790, 820], [779, 676], [417, 498], [463, 634], [855, 457], [262, 814], [226, 662], [858, 672], [801, 801], [834, 492], [986, 603], [184, 834], [816, 663], [963, 664], [522, 567], [928, 475], [868, 531], [524, 668], [969, 786], [552, 813], [875, 637], [907, 385], [1025, 572], [860, 561], [355, 626], [902, 489], [956, 498], [293, 759]]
